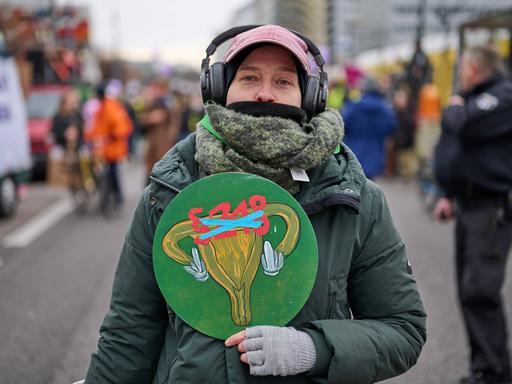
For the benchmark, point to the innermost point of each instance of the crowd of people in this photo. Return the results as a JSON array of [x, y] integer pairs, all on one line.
[[392, 131], [114, 123]]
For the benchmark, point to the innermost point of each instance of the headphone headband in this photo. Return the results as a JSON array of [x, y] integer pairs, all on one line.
[[232, 32]]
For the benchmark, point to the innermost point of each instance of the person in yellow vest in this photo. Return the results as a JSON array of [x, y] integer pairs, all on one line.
[[337, 94]]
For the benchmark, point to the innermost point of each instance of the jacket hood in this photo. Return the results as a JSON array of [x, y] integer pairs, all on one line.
[[338, 181]]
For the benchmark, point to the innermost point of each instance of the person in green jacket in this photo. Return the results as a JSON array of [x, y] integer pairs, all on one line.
[[364, 320]]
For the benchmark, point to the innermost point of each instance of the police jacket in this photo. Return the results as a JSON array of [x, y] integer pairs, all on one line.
[[473, 158], [364, 313]]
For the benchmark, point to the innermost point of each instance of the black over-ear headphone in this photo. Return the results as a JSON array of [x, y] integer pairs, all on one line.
[[213, 78]]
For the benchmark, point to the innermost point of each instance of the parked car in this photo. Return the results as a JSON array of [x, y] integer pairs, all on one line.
[[42, 104]]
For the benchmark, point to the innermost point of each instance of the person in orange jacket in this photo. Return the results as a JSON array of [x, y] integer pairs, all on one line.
[[428, 117], [109, 134]]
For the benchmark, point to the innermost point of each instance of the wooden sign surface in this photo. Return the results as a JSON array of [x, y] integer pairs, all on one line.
[[235, 250]]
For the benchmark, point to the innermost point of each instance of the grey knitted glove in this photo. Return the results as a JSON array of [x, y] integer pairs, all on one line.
[[279, 351]]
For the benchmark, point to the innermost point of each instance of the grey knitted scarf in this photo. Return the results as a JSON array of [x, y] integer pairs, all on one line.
[[266, 146]]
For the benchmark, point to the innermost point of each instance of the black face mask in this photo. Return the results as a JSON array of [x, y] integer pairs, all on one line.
[[259, 109]]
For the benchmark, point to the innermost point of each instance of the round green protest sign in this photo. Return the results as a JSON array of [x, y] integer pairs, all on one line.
[[234, 250]]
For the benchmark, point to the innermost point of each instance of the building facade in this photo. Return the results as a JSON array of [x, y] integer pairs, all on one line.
[[367, 24], [308, 17], [345, 28]]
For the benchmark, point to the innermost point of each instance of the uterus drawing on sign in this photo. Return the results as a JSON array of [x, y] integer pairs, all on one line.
[[230, 245]]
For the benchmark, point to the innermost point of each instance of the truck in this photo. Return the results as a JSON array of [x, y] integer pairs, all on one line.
[[15, 156], [53, 42]]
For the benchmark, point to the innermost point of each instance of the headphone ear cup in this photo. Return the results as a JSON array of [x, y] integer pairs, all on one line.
[[213, 84], [315, 96], [309, 100], [218, 83], [321, 100]]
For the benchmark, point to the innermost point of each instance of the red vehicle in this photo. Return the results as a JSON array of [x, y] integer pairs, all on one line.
[[42, 105]]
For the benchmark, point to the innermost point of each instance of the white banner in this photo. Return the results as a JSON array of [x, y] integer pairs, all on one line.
[[14, 140]]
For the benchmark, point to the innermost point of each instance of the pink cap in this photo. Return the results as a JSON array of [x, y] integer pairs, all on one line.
[[273, 34]]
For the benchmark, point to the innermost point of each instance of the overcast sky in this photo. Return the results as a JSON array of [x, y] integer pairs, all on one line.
[[177, 30]]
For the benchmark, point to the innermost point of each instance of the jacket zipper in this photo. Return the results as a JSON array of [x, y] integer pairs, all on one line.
[[171, 314], [164, 184]]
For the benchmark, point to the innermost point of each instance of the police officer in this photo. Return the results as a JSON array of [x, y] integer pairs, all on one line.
[[474, 167]]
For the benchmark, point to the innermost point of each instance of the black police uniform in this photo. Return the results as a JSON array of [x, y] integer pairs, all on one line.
[[473, 163]]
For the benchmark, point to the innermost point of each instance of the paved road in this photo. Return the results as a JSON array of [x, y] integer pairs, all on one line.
[[54, 293], [430, 249]]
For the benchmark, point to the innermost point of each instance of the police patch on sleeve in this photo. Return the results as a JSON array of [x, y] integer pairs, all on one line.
[[487, 102]]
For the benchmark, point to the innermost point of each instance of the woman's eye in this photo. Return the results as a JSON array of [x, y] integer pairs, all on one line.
[[284, 82], [248, 78]]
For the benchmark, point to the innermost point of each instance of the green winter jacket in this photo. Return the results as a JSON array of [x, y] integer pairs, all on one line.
[[364, 314]]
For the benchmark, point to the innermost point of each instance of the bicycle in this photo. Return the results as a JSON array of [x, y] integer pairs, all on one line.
[[78, 164]]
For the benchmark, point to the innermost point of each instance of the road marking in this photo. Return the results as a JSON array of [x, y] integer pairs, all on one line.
[[24, 235]]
